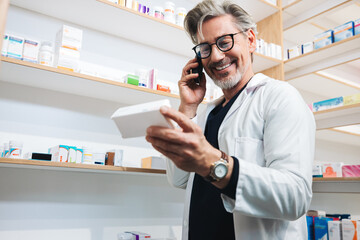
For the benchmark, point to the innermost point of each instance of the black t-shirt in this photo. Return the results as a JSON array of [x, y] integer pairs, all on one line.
[[208, 218]]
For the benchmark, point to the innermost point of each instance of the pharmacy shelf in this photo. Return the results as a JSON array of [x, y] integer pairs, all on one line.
[[339, 137], [336, 185], [262, 62], [104, 16], [337, 117], [331, 55], [62, 166], [13, 71]]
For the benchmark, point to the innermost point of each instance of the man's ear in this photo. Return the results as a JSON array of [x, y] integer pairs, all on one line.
[[251, 40]]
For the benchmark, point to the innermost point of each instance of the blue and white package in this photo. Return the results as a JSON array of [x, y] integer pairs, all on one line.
[[327, 104], [357, 26], [321, 227], [324, 39], [15, 47], [310, 227], [344, 31]]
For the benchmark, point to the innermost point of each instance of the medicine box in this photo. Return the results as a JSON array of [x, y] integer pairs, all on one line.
[[317, 170], [79, 155], [69, 37], [307, 47], [334, 229], [323, 39], [5, 44], [328, 104], [153, 162], [114, 157], [38, 156], [310, 227], [15, 47], [344, 31], [321, 227], [31, 50], [293, 52], [72, 154], [352, 99], [332, 169], [351, 171], [357, 26], [59, 153], [350, 229], [131, 79], [163, 88], [67, 59]]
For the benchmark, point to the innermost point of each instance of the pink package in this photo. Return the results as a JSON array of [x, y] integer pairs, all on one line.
[[351, 170]]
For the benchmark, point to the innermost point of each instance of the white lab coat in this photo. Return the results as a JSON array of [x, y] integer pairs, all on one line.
[[271, 131]]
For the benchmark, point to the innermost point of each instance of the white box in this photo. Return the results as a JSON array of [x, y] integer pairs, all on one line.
[[5, 45], [15, 47], [334, 229], [307, 47], [79, 155], [349, 229], [69, 37], [293, 52], [31, 50], [59, 153], [67, 59], [332, 169], [72, 154], [133, 121]]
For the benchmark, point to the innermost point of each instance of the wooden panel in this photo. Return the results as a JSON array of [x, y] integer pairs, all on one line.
[[276, 72], [270, 29], [4, 4]]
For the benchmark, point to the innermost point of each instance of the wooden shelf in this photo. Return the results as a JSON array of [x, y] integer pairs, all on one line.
[[336, 117], [13, 71], [262, 62], [336, 185], [60, 166], [322, 58]]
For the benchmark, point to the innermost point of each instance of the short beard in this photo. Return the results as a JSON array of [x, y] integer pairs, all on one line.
[[229, 83]]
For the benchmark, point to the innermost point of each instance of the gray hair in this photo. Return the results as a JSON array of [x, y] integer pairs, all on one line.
[[208, 9]]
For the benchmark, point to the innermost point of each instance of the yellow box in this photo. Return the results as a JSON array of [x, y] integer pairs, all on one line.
[[352, 99]]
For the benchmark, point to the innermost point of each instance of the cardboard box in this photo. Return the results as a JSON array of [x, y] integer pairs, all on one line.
[[59, 153], [349, 229], [328, 104], [344, 31], [332, 169], [324, 39], [154, 163], [335, 230]]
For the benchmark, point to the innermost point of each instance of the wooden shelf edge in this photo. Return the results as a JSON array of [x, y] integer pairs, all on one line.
[[337, 109], [86, 77], [337, 179], [269, 58], [323, 48], [89, 167], [140, 14], [269, 4]]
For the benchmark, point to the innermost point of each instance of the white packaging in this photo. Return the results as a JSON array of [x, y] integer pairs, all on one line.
[[114, 1], [265, 49], [99, 158], [349, 229], [307, 47], [153, 73], [332, 169], [46, 54], [69, 37], [317, 170], [128, 3], [293, 52], [59, 153], [169, 12], [87, 156], [5, 45], [334, 230], [67, 59], [79, 155], [143, 77], [272, 50], [180, 14], [15, 47], [72, 154], [15, 149], [31, 50]]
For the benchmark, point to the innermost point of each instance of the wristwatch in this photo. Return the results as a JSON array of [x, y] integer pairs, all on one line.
[[218, 169]]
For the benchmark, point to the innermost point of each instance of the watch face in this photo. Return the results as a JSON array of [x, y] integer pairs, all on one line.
[[220, 171]]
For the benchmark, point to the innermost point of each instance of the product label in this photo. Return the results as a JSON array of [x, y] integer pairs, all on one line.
[[15, 153]]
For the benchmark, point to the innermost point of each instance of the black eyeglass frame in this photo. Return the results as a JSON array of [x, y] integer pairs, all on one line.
[[216, 43]]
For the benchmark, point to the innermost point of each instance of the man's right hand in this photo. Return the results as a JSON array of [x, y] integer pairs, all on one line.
[[191, 94]]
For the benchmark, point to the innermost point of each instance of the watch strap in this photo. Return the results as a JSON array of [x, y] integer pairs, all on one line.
[[210, 177]]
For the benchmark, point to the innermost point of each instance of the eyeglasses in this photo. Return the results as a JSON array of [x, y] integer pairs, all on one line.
[[224, 43]]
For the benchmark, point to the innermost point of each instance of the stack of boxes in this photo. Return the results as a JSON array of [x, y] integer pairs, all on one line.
[[67, 48]]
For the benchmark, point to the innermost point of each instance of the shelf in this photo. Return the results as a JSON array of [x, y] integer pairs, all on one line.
[[323, 58], [337, 117], [339, 137], [61, 166], [336, 185], [13, 71], [121, 21], [262, 62]]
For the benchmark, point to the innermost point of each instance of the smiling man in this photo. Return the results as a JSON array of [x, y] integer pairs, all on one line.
[[246, 162]]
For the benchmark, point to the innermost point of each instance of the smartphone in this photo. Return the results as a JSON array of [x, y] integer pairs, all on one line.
[[198, 70]]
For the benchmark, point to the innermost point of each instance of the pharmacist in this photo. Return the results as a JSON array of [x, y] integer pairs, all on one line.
[[246, 163]]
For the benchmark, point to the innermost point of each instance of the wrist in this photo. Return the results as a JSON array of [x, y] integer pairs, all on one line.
[[188, 110]]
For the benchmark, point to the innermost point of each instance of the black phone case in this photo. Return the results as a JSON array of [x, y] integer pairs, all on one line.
[[198, 70]]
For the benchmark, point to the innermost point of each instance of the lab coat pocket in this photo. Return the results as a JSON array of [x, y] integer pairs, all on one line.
[[250, 150]]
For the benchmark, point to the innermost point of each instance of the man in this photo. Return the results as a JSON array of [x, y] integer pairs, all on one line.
[[247, 163]]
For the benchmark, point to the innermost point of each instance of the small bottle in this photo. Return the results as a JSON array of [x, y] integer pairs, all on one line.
[[87, 155], [46, 54], [15, 149], [180, 16], [169, 13]]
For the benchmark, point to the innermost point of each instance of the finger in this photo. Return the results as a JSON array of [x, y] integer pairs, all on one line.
[[167, 137], [183, 121]]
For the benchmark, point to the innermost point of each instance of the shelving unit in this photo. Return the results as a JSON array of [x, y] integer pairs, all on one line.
[[336, 185], [62, 166]]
